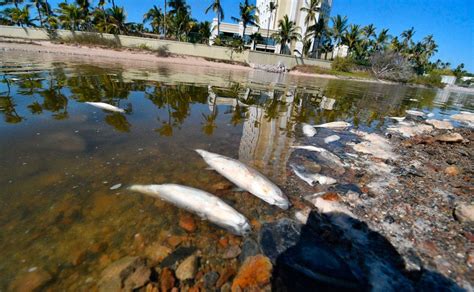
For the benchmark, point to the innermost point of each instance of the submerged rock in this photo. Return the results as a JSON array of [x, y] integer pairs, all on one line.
[[465, 117], [187, 269], [31, 281], [126, 274], [254, 274], [210, 280], [249, 248], [167, 280], [232, 252]]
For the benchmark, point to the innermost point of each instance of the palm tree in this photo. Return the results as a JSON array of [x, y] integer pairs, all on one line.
[[395, 45], [312, 15], [19, 16], [204, 31], [255, 38], [407, 38], [339, 27], [70, 16], [155, 17], [39, 5], [319, 30], [247, 15], [217, 8], [116, 19], [352, 36], [271, 7], [177, 5], [9, 2], [382, 40], [327, 47], [287, 32], [369, 31]]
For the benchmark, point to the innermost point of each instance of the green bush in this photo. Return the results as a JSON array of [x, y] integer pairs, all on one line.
[[92, 39], [342, 64], [431, 80]]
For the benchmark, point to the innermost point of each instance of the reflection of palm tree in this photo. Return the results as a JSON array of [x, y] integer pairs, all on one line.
[[7, 106], [118, 121]]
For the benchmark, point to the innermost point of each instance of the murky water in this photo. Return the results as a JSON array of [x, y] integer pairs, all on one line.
[[59, 156]]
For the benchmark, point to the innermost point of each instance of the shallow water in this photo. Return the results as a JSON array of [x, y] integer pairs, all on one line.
[[59, 157]]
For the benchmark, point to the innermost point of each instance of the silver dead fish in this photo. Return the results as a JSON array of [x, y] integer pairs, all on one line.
[[204, 204], [311, 178], [325, 154], [308, 130], [246, 178], [334, 125], [106, 106], [332, 138]]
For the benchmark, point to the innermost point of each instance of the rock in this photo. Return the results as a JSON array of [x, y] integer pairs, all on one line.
[[254, 273], [167, 280], [78, 256], [441, 125], [411, 130], [32, 281], [331, 139], [225, 275], [187, 222], [450, 138], [465, 117], [179, 254], [278, 68], [276, 237], [249, 248], [187, 269], [127, 273], [414, 115], [331, 196], [156, 253], [210, 280], [464, 213], [232, 252], [452, 170], [174, 240], [151, 287]]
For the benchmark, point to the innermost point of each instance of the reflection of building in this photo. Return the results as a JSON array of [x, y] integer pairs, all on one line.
[[265, 143], [268, 23]]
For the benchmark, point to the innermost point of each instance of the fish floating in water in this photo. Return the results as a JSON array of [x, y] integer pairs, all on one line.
[[204, 204], [308, 130], [334, 125], [106, 106], [246, 178], [398, 119], [310, 178]]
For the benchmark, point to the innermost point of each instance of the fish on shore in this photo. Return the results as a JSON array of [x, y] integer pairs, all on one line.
[[332, 138], [308, 130], [106, 106], [325, 154], [201, 203], [311, 178], [334, 125], [246, 178]]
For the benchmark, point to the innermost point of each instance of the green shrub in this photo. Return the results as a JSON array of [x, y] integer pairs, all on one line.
[[342, 64], [92, 39], [431, 80]]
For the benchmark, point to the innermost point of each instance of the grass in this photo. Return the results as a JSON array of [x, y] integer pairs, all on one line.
[[227, 62], [325, 71], [432, 80], [91, 40]]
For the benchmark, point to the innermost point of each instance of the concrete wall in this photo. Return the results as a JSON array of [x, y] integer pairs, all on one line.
[[180, 48], [289, 61]]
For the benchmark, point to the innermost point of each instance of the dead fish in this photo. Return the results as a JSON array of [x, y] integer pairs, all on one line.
[[106, 106], [308, 130], [334, 125], [325, 154], [204, 204], [331, 139], [310, 178], [246, 178], [398, 119], [415, 113]]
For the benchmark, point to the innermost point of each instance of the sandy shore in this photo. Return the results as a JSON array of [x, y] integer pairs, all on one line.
[[110, 54]]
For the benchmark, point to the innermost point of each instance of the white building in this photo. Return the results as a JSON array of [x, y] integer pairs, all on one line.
[[268, 23]]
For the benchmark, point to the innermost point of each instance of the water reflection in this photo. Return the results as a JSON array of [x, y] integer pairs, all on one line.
[[59, 156]]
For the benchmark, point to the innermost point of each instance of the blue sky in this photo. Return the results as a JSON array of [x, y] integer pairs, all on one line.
[[450, 21]]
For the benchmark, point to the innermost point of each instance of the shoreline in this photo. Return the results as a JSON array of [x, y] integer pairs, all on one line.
[[24, 45]]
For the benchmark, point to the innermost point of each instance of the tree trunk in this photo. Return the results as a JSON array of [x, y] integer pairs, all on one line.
[[218, 23], [39, 15], [164, 21]]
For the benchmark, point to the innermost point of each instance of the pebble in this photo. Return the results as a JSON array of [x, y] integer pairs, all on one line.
[[167, 279], [249, 248], [188, 268], [254, 274], [187, 222], [157, 252], [225, 275], [210, 280], [232, 252], [452, 170], [128, 273], [464, 213], [115, 187], [32, 281]]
